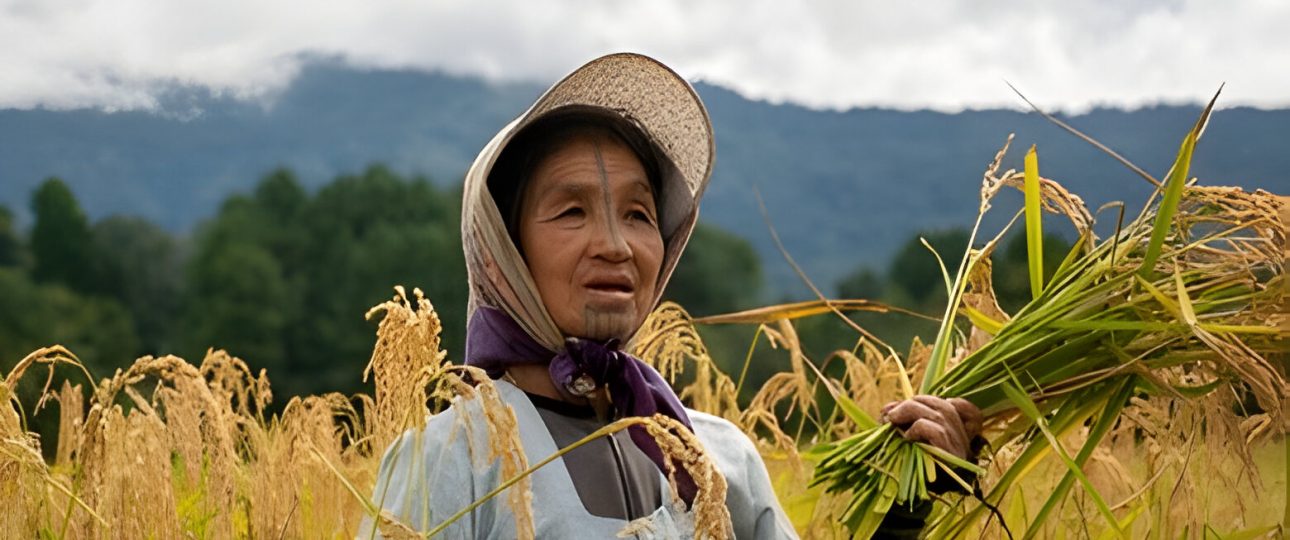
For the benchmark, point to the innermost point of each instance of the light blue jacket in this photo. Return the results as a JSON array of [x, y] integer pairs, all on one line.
[[427, 476]]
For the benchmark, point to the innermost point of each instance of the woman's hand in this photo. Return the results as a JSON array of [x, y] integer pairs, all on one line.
[[948, 424]]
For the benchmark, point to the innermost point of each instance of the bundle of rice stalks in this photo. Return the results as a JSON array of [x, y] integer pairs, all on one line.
[[1193, 286]]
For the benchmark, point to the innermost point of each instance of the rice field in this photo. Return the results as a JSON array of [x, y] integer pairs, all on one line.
[[1188, 444], [192, 457]]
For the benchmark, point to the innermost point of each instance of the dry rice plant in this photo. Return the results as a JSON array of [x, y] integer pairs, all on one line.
[[667, 340], [168, 449], [869, 376], [171, 450]]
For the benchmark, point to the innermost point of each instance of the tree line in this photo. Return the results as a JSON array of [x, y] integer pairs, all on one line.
[[280, 277]]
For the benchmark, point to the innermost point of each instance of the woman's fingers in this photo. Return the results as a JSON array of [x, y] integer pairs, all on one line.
[[946, 424], [950, 414], [928, 431], [904, 413], [973, 422], [956, 436]]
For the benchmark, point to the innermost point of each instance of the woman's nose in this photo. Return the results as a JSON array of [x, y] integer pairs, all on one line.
[[607, 240]]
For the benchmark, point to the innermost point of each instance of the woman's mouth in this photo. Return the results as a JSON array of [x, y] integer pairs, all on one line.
[[610, 288]]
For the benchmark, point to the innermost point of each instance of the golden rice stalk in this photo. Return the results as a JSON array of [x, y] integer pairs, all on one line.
[[71, 423], [22, 471], [786, 337], [679, 444], [1054, 199], [761, 414], [797, 310], [183, 420], [195, 456], [134, 474], [1190, 282], [48, 356], [668, 340], [504, 445], [232, 384], [407, 356], [872, 379], [981, 305], [33, 496], [307, 437], [1175, 460], [410, 368]]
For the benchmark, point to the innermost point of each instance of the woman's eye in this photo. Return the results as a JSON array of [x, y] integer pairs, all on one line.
[[572, 211], [641, 215]]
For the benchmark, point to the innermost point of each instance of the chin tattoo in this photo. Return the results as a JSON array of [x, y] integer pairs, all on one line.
[[604, 325]]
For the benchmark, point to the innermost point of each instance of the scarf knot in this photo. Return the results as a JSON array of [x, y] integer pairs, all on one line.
[[494, 342], [585, 365]]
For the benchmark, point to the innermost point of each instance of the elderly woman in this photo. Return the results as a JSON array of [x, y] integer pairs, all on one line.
[[574, 216]]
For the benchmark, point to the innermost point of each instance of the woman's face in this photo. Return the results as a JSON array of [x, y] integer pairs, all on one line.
[[588, 228]]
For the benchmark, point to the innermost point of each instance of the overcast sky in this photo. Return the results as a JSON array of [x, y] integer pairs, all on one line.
[[948, 55]]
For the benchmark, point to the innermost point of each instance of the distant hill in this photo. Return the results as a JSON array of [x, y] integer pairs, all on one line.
[[842, 188]]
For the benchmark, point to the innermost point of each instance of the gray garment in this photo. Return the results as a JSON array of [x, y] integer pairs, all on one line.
[[614, 478], [428, 475]]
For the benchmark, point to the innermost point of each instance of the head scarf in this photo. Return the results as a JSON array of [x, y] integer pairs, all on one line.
[[508, 323]]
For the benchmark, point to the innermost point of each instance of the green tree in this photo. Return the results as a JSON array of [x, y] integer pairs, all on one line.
[[720, 272], [863, 283], [283, 279], [33, 315], [362, 235], [10, 245], [236, 296], [139, 265], [280, 193], [235, 302], [915, 271], [1012, 268], [60, 238], [97, 330]]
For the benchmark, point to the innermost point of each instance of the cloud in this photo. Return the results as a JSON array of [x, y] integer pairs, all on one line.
[[948, 55]]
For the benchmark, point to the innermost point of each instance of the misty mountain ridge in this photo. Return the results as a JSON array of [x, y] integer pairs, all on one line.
[[842, 188]]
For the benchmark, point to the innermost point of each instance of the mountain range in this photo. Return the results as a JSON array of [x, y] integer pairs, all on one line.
[[842, 188]]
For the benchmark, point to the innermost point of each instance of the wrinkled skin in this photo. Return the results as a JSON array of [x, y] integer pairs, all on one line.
[[589, 231], [949, 424]]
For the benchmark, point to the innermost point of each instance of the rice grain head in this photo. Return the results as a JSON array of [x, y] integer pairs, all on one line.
[[406, 358], [71, 423], [668, 341], [22, 470], [679, 445], [505, 445]]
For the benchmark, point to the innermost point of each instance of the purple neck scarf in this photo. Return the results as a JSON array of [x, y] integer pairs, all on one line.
[[495, 342]]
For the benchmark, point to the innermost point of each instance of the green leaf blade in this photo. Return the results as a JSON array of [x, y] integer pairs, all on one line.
[[1169, 204], [1034, 224]]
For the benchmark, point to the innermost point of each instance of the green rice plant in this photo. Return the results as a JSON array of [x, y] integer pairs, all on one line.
[[1194, 285]]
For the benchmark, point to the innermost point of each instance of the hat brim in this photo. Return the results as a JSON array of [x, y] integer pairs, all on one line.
[[651, 97]]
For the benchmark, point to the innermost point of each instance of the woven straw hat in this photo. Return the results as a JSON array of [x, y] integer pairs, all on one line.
[[646, 94], [650, 96]]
